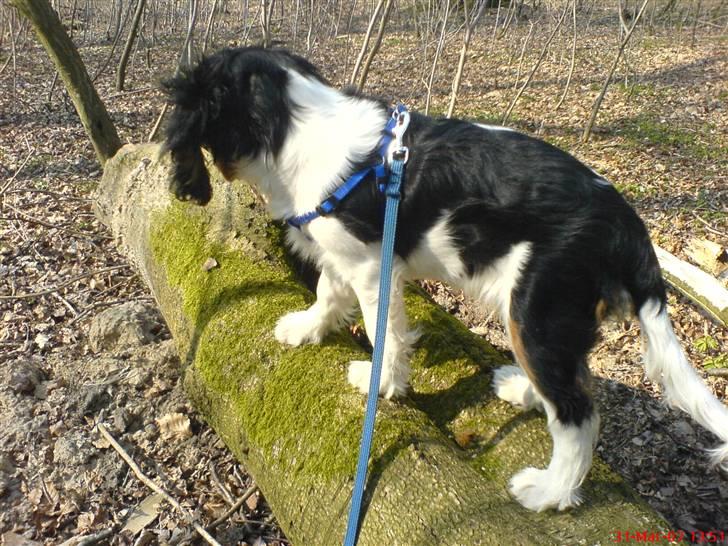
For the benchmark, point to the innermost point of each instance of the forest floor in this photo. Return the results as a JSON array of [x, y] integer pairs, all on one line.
[[661, 138]]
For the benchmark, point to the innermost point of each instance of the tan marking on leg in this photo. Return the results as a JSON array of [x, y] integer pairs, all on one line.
[[519, 350]]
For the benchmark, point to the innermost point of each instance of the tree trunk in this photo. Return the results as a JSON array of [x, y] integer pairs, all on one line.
[[289, 415], [59, 46], [121, 69]]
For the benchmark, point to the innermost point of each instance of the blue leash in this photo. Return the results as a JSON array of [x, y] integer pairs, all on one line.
[[398, 159]]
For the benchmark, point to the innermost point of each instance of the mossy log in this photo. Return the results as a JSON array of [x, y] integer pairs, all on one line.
[[442, 456]]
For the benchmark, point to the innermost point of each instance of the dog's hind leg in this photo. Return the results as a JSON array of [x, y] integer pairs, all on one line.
[[334, 307], [399, 339], [551, 340]]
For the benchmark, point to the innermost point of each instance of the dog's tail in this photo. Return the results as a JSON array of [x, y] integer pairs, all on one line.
[[665, 361]]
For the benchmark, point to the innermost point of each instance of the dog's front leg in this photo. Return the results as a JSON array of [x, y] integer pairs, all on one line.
[[334, 307], [399, 339]]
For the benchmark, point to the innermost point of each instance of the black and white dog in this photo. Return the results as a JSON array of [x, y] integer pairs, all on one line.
[[511, 220]]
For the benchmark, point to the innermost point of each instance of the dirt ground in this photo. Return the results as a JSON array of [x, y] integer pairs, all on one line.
[[66, 357]]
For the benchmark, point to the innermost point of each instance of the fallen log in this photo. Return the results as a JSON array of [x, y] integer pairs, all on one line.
[[704, 290], [441, 458]]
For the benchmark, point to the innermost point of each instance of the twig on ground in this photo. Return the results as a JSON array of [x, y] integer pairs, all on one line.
[[226, 494], [83, 314], [53, 194], [66, 303], [717, 372], [234, 508], [89, 540], [149, 483], [63, 284], [708, 226], [32, 220], [16, 173], [133, 92]]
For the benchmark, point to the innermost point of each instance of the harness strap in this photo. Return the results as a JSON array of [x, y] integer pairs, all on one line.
[[379, 170]]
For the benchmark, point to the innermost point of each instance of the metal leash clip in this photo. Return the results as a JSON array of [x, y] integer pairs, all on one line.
[[399, 151]]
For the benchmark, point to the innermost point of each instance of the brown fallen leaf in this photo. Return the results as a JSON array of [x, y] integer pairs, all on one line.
[[464, 438], [14, 539], [252, 502], [174, 426], [144, 514]]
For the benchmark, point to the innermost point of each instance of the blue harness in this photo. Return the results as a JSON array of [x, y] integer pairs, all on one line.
[[379, 170]]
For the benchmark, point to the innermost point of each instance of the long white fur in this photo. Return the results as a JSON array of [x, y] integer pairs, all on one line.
[[557, 486], [511, 384], [666, 364]]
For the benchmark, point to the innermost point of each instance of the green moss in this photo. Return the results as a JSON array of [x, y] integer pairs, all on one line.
[[232, 310]]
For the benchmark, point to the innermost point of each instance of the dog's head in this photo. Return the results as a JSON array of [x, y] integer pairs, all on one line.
[[234, 104]]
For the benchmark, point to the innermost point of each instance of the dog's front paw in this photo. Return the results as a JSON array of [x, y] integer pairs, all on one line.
[[360, 373], [540, 490], [297, 328]]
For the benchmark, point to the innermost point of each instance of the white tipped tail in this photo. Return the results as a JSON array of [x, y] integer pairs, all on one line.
[[666, 364]]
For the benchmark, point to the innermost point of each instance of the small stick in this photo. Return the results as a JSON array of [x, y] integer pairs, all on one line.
[[234, 508], [63, 284], [708, 226], [89, 540], [149, 483], [717, 372], [221, 486], [65, 302], [17, 172]]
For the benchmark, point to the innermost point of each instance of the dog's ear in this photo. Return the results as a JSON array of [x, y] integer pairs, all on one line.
[[190, 178], [194, 102], [269, 111]]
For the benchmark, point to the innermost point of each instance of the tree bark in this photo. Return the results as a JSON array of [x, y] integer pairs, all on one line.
[[67, 61], [291, 418]]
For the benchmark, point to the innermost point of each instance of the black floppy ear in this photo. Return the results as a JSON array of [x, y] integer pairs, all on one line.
[[270, 112], [190, 178], [191, 101]]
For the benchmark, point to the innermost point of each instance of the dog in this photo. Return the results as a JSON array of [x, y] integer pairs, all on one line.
[[516, 223]]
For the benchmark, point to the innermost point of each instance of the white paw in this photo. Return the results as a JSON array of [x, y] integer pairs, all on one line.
[[537, 490], [297, 328], [511, 384], [360, 372]]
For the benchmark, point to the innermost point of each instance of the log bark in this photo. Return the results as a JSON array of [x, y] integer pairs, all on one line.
[[291, 418], [67, 61]]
